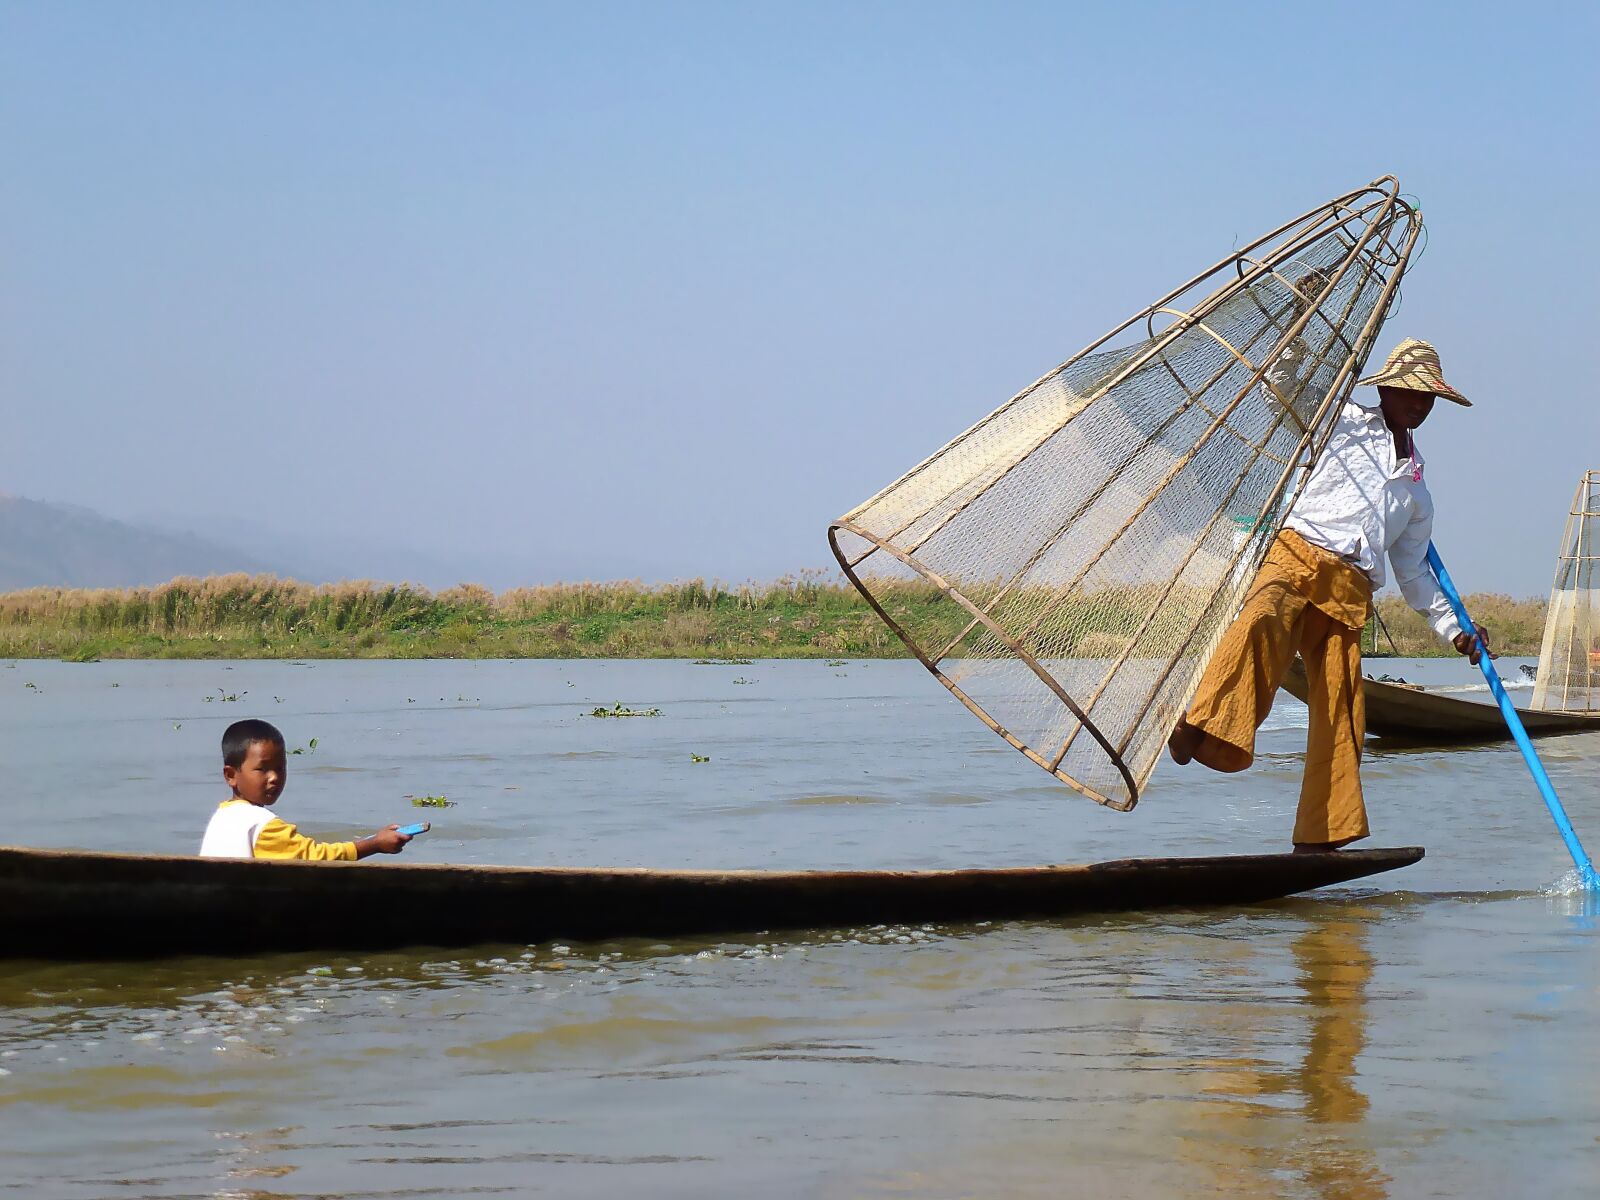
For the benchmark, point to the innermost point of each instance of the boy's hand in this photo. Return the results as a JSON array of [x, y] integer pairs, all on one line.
[[1473, 646], [388, 840]]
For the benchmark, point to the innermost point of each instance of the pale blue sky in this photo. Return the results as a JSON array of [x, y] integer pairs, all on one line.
[[523, 291]]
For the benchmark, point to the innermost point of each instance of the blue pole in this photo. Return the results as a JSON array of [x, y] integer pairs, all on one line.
[[1586, 872]]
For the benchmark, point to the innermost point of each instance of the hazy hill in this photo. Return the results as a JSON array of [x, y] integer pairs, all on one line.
[[63, 545]]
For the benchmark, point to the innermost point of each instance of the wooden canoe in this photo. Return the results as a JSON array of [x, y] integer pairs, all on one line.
[[78, 904], [1405, 711]]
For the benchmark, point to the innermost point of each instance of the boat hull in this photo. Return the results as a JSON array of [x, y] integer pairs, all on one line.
[[1398, 711], [76, 905]]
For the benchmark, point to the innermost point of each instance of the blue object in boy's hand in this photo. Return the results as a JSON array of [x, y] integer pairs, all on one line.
[[413, 830]]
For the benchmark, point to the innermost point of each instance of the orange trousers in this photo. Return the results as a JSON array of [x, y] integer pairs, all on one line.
[[1307, 600]]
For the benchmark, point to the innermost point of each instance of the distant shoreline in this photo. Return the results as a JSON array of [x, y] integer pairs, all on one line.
[[810, 616]]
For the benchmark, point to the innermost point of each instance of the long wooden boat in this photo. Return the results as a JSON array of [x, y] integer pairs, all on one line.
[[77, 904], [1407, 711]]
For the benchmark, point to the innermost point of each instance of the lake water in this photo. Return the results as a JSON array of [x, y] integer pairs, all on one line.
[[1432, 1032]]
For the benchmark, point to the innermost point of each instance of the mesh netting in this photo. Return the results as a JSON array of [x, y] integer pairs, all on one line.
[[1569, 660], [1066, 565]]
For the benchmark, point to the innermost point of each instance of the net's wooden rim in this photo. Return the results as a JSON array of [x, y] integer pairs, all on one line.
[[1120, 804]]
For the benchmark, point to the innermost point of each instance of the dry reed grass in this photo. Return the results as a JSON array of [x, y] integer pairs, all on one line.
[[187, 605], [1514, 626], [192, 606], [809, 614]]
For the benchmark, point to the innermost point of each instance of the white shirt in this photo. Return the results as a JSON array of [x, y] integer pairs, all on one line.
[[1363, 501], [232, 830]]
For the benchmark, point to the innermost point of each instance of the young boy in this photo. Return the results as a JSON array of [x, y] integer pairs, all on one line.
[[255, 766]]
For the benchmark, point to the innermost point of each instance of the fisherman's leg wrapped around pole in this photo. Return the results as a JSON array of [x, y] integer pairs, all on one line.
[[1307, 600]]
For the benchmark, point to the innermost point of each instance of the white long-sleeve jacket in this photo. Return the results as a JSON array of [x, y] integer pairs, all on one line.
[[1363, 502]]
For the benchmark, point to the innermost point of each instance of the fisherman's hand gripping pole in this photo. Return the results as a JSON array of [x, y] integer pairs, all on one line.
[[1586, 872]]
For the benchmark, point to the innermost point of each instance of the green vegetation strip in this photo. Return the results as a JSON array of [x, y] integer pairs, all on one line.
[[812, 615], [620, 711]]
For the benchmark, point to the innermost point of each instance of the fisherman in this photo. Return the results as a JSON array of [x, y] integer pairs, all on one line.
[[1365, 498]]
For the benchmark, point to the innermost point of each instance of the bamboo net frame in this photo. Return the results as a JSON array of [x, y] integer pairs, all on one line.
[[1087, 542], [1569, 657]]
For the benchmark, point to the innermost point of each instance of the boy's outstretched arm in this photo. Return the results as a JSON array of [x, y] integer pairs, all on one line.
[[278, 839], [388, 840]]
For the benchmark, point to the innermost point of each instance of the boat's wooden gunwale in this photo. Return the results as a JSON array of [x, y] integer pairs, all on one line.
[[94, 905]]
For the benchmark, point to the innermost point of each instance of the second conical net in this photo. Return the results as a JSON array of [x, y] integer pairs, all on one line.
[[1066, 566], [1569, 658]]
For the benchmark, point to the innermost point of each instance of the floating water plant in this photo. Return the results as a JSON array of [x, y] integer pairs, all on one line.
[[721, 662], [431, 802], [693, 757], [617, 710], [225, 696], [741, 679], [309, 748]]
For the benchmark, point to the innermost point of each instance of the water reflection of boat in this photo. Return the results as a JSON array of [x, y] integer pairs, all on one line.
[[81, 904], [1405, 710]]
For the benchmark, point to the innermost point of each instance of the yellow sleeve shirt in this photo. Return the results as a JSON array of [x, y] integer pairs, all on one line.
[[239, 829], [279, 839]]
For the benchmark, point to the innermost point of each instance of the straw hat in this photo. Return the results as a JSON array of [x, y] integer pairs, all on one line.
[[1415, 364]]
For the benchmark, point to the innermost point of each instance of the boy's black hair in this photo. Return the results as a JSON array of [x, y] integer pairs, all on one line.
[[241, 735]]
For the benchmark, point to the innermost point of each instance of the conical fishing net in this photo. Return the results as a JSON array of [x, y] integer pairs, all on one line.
[[1066, 566], [1569, 660]]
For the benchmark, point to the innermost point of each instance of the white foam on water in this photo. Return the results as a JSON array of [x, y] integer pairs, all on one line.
[[1509, 684], [1570, 897], [1570, 884]]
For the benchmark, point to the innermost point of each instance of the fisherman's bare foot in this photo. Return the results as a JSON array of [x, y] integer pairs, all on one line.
[[1320, 847], [1185, 740]]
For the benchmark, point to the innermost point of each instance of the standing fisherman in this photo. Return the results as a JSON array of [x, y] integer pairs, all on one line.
[[1313, 594]]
